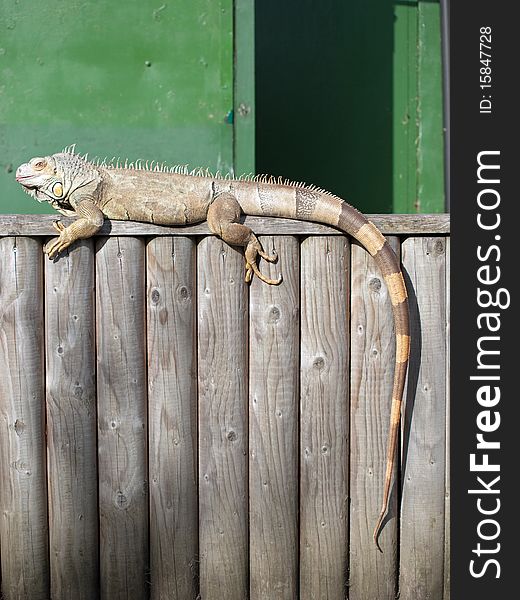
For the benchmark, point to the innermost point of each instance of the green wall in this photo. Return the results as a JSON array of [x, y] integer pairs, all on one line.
[[131, 79], [348, 97], [348, 92]]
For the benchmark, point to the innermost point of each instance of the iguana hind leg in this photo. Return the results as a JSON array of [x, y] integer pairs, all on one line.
[[223, 216]]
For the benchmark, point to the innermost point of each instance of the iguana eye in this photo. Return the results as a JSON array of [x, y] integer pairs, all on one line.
[[57, 190], [39, 164]]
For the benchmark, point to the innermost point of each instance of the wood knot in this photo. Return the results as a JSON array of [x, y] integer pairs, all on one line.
[[374, 285], [274, 314], [155, 296], [319, 363], [438, 248], [184, 293], [19, 427], [121, 500]]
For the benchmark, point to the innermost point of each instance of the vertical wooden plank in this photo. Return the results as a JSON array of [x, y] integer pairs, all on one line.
[[71, 424], [172, 400], [372, 574], [223, 437], [447, 537], [273, 426], [324, 417], [424, 438], [23, 493], [121, 387]]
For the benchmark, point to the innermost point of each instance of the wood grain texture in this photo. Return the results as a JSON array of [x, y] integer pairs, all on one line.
[[324, 432], [172, 406], [253, 377], [273, 425], [424, 438], [72, 424], [23, 493], [409, 224], [122, 423], [223, 435], [372, 574]]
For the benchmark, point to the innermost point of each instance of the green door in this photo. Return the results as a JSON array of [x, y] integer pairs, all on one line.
[[155, 81], [349, 98]]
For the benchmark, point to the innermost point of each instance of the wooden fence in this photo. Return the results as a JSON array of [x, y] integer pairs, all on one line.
[[168, 431]]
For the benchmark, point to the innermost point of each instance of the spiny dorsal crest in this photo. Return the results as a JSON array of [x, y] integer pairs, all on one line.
[[156, 167]]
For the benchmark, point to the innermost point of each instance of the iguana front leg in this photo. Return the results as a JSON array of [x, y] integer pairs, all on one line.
[[90, 221], [223, 216]]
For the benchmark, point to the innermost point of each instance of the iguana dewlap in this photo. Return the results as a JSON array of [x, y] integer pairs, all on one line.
[[133, 192]]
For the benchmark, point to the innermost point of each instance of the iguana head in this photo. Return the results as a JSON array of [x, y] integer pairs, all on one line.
[[54, 178]]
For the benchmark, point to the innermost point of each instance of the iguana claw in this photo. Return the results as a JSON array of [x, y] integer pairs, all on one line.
[[57, 245], [252, 268], [253, 250]]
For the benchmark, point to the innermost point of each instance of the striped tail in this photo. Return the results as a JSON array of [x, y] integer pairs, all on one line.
[[356, 225], [298, 201]]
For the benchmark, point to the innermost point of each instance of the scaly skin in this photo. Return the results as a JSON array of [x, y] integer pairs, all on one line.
[[93, 192]]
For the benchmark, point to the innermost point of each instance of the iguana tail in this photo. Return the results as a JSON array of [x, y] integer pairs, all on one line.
[[311, 204], [355, 224]]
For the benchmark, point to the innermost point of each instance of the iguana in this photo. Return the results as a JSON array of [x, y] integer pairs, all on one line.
[[94, 190]]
